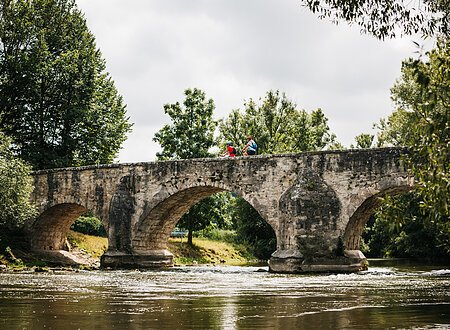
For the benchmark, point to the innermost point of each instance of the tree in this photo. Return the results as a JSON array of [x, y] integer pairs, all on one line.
[[421, 123], [277, 126], [363, 141], [15, 188], [252, 230], [387, 18], [399, 229], [56, 100], [210, 211], [424, 91], [190, 135]]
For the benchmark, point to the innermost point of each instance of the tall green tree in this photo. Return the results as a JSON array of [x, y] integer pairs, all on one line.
[[387, 18], [16, 186], [421, 123], [277, 126], [56, 100], [424, 92], [400, 228], [190, 135]]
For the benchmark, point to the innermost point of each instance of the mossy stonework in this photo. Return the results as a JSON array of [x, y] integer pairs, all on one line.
[[317, 203]]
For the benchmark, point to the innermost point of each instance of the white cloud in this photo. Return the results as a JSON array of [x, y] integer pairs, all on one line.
[[236, 50]]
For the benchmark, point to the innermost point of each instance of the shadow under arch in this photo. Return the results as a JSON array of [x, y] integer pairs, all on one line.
[[359, 218], [49, 230], [153, 231]]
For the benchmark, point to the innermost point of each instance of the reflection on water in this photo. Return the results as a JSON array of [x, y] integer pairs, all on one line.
[[227, 298]]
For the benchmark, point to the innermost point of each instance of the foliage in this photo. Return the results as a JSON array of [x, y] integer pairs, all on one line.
[[16, 186], [89, 225], [56, 100], [363, 141], [216, 234], [387, 18], [424, 90], [394, 130], [253, 231], [191, 133], [11, 259], [277, 126], [399, 230], [211, 211], [421, 123]]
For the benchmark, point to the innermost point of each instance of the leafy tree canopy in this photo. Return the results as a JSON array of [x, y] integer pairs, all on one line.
[[387, 18], [277, 126], [421, 123], [423, 94], [191, 133], [16, 186], [56, 100], [363, 141]]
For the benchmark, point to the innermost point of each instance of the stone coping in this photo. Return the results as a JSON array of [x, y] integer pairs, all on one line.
[[224, 159]]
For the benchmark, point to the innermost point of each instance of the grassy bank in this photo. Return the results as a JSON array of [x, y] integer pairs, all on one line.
[[90, 248], [205, 251], [94, 246]]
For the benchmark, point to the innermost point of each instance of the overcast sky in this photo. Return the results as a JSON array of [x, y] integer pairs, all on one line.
[[235, 50]]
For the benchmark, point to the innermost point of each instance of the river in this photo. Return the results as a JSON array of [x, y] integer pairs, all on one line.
[[220, 297]]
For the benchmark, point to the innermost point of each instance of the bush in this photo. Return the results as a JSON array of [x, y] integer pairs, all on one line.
[[217, 234], [89, 225]]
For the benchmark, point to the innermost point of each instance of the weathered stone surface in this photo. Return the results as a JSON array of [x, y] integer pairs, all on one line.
[[317, 203]]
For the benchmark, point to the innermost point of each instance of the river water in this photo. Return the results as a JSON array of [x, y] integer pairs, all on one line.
[[208, 297]]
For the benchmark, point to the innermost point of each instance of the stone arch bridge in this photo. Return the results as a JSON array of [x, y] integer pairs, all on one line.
[[316, 202]]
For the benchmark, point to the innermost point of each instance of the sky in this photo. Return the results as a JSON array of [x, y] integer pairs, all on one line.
[[235, 50]]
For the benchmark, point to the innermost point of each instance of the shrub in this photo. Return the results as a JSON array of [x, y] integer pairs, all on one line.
[[89, 225]]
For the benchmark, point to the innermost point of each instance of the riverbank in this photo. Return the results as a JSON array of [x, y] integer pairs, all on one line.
[[84, 252]]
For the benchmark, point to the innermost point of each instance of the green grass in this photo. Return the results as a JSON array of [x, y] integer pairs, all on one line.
[[206, 251], [95, 246], [203, 250]]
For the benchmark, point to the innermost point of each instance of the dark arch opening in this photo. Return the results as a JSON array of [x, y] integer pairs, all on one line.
[[359, 219], [50, 228], [226, 228], [154, 230], [51, 231]]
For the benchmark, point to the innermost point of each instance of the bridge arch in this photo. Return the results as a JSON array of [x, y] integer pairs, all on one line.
[[51, 227], [368, 203], [153, 231]]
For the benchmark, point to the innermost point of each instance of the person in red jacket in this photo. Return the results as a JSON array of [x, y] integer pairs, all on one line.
[[230, 152]]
